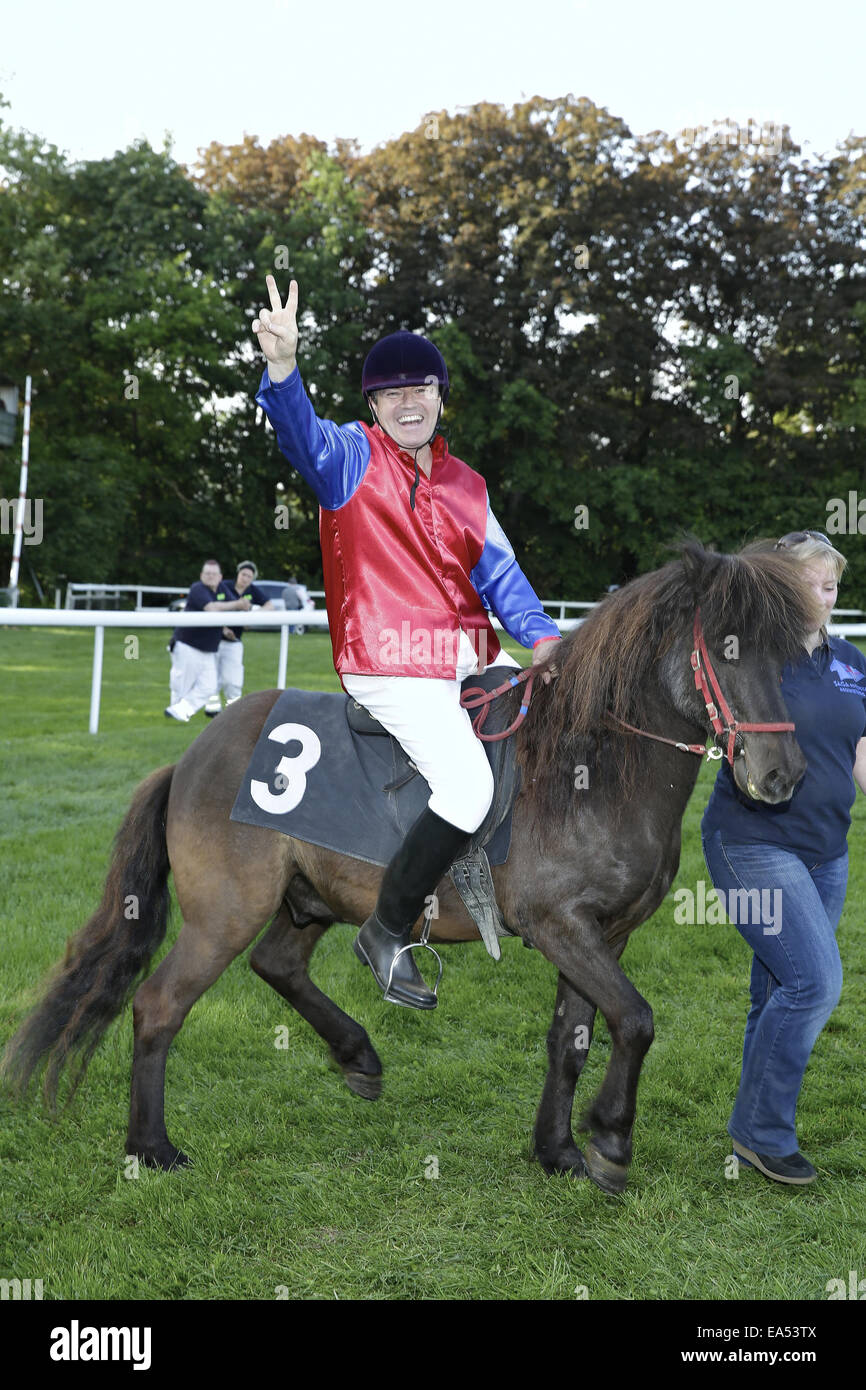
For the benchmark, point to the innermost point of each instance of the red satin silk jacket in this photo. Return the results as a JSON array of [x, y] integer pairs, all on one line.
[[400, 582]]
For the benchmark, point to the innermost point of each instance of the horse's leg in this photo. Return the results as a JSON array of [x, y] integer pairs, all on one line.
[[567, 1049], [282, 959], [198, 957], [575, 943], [229, 879]]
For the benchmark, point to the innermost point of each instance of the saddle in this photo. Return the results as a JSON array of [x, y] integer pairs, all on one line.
[[353, 789]]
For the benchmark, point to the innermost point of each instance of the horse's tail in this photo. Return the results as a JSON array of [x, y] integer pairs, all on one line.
[[106, 958]]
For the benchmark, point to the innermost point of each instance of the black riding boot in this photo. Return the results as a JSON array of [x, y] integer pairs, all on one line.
[[428, 851]]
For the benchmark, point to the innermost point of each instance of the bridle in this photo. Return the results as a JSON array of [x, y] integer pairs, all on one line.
[[706, 683], [718, 710]]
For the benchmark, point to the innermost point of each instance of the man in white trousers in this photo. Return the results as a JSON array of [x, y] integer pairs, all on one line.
[[414, 561], [193, 677], [230, 652]]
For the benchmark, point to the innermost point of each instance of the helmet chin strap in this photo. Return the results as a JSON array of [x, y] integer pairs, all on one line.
[[416, 452]]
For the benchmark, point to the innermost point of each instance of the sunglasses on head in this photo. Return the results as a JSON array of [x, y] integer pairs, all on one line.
[[797, 538]]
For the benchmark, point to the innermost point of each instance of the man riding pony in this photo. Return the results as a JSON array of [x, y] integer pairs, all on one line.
[[414, 562]]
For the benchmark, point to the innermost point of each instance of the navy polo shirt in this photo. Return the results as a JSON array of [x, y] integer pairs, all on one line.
[[206, 639], [254, 594], [826, 698]]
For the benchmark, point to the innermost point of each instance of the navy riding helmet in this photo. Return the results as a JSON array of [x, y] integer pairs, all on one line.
[[403, 359]]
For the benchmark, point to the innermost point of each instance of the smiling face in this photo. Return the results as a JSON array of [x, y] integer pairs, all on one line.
[[820, 575], [408, 413], [211, 575]]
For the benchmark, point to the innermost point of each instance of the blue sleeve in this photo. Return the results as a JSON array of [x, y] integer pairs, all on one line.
[[504, 588], [197, 597], [256, 595], [331, 458]]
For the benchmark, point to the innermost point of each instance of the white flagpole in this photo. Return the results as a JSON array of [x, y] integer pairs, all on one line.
[[22, 497]]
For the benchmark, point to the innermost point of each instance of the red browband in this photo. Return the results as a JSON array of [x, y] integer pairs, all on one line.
[[717, 708]]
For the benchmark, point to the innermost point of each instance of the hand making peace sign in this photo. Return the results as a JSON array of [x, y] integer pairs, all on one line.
[[277, 330]]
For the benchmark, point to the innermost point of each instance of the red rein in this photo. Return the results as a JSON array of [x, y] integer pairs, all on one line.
[[716, 706], [718, 711], [475, 696]]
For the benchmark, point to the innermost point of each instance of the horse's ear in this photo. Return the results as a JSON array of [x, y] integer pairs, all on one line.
[[697, 562]]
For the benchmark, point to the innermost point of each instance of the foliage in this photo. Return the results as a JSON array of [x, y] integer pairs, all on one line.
[[666, 330]]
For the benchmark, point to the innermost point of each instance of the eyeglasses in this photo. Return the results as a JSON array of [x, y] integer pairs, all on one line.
[[798, 537]]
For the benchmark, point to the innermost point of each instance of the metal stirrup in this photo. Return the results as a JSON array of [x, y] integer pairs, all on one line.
[[420, 944]]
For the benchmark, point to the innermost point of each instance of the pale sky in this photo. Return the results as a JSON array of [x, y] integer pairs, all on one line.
[[91, 75]]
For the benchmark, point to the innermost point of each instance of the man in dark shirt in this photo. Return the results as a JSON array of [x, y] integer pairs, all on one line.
[[194, 664], [230, 652]]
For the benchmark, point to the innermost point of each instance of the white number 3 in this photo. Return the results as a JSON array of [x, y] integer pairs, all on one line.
[[291, 772]]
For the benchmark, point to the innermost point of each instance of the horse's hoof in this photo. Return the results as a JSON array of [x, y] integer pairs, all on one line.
[[609, 1176], [368, 1087], [165, 1159], [571, 1165]]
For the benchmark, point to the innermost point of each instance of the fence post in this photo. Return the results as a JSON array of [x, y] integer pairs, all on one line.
[[284, 656], [96, 682]]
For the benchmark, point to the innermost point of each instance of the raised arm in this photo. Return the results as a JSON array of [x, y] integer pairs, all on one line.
[[277, 331], [331, 458]]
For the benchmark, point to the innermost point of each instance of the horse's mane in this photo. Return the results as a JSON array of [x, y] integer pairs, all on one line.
[[609, 661]]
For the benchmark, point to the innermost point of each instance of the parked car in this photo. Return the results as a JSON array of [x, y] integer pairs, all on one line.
[[274, 590]]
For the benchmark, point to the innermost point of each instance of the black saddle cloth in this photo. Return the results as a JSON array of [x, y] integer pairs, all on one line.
[[314, 776]]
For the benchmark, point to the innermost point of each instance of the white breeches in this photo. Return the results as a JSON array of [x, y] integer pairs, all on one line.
[[427, 720], [230, 669], [193, 677]]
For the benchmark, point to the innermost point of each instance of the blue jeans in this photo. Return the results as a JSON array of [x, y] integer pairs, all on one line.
[[796, 976]]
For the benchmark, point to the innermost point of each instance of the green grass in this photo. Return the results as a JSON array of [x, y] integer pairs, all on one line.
[[298, 1185]]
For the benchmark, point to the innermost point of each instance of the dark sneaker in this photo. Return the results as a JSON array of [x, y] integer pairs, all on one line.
[[793, 1168]]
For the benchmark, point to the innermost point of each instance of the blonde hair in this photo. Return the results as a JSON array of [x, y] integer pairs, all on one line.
[[812, 549]]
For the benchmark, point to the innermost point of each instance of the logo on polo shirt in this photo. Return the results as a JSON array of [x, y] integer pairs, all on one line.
[[847, 678]]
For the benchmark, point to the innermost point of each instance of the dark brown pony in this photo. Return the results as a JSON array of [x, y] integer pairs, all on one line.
[[595, 847]]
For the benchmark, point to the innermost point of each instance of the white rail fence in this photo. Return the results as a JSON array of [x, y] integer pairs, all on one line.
[[89, 593], [99, 620]]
